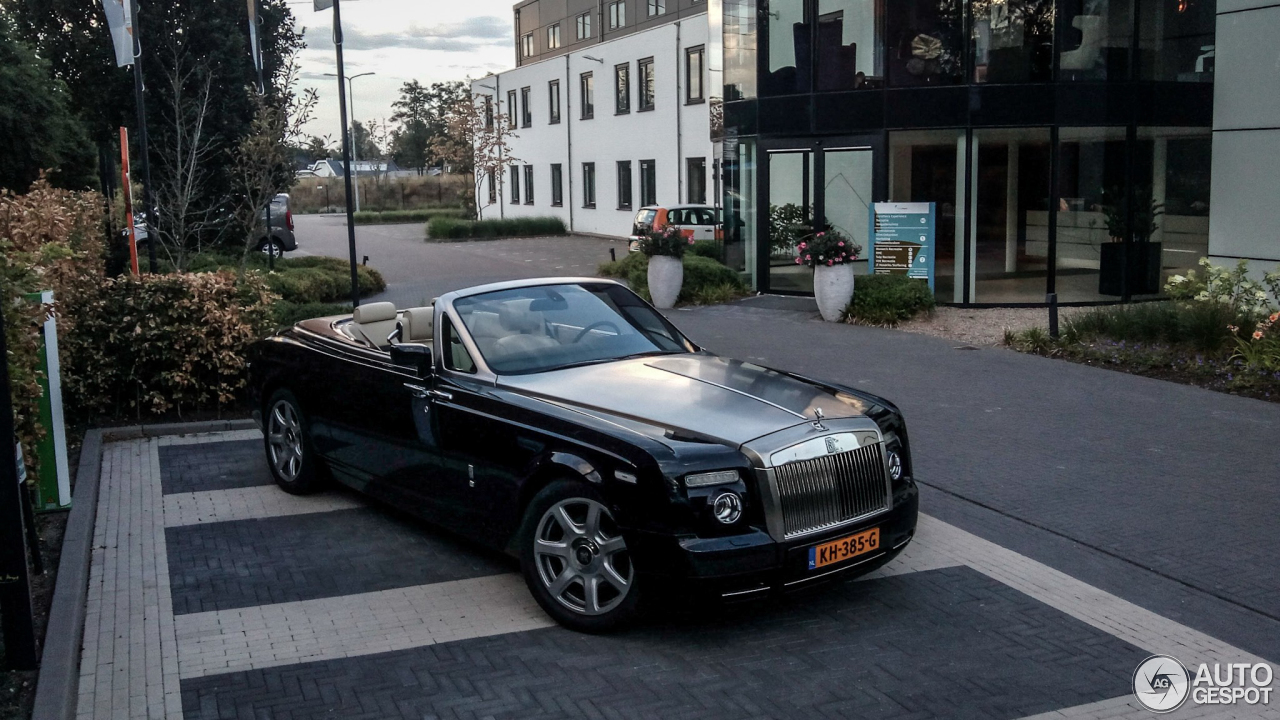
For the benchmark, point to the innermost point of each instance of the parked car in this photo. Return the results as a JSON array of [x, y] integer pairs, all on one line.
[[568, 423], [700, 222], [282, 237]]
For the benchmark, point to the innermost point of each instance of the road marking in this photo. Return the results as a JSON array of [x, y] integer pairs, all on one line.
[[223, 641], [261, 501], [1126, 707]]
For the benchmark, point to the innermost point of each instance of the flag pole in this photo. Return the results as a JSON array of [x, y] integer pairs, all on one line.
[[346, 154], [153, 231]]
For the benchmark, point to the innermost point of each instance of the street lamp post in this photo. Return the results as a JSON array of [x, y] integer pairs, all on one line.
[[355, 161]]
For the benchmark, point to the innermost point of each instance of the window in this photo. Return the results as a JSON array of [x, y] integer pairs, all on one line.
[[1008, 39], [528, 184], [588, 185], [927, 43], [457, 359], [617, 14], [526, 112], [526, 45], [511, 108], [515, 185], [553, 37], [1176, 40], [740, 38], [587, 86], [553, 98], [696, 177], [584, 26], [1097, 36], [693, 74], [850, 46], [644, 69], [493, 188], [557, 186], [624, 184], [488, 112], [648, 183], [657, 7], [621, 88]]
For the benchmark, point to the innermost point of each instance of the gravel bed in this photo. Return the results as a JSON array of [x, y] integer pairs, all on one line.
[[982, 326]]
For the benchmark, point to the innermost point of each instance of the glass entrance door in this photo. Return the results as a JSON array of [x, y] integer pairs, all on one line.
[[827, 185]]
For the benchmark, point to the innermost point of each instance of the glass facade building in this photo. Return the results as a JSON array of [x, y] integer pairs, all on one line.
[[1066, 146]]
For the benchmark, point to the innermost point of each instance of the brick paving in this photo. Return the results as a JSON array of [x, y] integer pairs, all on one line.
[[253, 605]]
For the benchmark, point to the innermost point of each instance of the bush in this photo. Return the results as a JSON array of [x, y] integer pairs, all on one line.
[[307, 279], [706, 281], [156, 343], [366, 217], [1202, 326], [887, 300], [445, 228], [706, 249]]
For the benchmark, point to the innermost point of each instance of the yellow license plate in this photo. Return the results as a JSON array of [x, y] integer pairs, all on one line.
[[829, 553]]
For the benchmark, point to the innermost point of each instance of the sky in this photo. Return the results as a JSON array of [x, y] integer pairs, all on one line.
[[399, 40]]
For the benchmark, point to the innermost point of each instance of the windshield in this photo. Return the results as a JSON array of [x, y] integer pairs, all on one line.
[[535, 329]]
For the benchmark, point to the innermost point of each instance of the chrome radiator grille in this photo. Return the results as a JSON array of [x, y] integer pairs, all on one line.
[[828, 490]]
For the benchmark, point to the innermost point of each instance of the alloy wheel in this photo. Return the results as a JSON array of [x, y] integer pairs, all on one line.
[[581, 557], [272, 248], [284, 435]]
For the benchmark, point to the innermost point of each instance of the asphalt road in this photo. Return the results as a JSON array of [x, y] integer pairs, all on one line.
[[1163, 494]]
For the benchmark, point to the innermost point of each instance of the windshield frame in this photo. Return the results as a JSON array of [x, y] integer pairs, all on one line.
[[486, 372]]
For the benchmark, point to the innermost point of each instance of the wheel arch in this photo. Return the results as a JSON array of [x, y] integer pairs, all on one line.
[[557, 465]]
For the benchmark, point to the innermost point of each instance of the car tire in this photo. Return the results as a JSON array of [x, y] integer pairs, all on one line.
[[575, 560], [275, 247], [287, 439]]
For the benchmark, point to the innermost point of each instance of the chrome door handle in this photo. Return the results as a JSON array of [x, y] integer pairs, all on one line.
[[439, 395], [417, 390]]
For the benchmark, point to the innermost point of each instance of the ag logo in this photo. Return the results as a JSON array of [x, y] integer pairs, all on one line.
[[1161, 683]]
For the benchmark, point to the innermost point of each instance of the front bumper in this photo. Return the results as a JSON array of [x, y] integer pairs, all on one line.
[[754, 563]]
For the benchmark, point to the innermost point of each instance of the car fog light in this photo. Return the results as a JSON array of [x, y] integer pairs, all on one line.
[[895, 465], [727, 507]]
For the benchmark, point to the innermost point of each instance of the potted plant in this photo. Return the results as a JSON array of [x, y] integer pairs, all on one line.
[[664, 248], [1130, 268], [831, 255]]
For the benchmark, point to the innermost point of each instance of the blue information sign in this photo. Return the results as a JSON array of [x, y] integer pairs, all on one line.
[[902, 239]]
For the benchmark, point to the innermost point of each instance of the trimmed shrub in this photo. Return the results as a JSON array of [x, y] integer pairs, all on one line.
[[887, 300], [706, 248], [445, 228], [306, 279], [155, 343], [706, 282], [366, 217]]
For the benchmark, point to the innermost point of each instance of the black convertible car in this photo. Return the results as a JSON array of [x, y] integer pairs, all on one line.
[[568, 423]]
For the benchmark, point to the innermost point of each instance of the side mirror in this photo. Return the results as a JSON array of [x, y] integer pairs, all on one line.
[[413, 356]]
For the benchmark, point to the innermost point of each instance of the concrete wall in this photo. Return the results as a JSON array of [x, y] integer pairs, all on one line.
[[668, 134], [1245, 219]]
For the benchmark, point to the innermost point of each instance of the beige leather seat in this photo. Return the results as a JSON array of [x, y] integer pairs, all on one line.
[[374, 322], [524, 329], [418, 324]]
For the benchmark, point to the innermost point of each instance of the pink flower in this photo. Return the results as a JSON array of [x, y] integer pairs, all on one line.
[[821, 234], [841, 243], [1257, 335], [803, 246], [806, 257], [798, 261], [828, 263], [690, 241]]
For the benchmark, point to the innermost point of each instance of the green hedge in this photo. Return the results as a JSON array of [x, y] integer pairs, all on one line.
[[306, 279], [407, 216], [706, 281], [888, 299], [445, 228], [707, 249]]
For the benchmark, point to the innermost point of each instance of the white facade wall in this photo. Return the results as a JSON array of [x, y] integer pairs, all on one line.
[[668, 134], [1245, 216]]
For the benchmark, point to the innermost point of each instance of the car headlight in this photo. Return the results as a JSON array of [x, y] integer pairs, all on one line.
[[727, 507], [720, 477], [893, 456], [895, 465]]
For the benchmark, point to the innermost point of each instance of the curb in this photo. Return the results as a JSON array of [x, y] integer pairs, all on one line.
[[57, 686]]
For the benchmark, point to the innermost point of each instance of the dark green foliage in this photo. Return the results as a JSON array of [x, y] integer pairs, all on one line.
[[407, 216], [706, 248], [705, 280], [888, 299], [309, 279], [445, 228], [38, 128], [1202, 326]]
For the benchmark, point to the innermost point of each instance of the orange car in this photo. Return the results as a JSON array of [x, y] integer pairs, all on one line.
[[700, 222]]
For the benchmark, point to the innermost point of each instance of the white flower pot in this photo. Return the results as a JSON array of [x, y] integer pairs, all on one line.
[[833, 289], [666, 276]]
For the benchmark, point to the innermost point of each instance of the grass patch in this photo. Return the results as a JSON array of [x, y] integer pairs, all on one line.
[[446, 229], [706, 282], [365, 217], [886, 300]]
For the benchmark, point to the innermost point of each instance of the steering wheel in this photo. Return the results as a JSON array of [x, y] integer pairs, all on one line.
[[594, 325]]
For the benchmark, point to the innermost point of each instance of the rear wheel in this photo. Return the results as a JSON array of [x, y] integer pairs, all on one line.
[[575, 560], [272, 247], [288, 445]]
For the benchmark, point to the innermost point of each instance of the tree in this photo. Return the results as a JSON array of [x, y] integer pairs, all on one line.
[[476, 140], [38, 130], [363, 142], [421, 120], [318, 148]]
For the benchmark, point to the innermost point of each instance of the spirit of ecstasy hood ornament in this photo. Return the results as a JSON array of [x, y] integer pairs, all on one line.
[[818, 418]]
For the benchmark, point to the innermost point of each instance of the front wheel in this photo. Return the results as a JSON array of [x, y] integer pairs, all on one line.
[[288, 446], [575, 560]]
